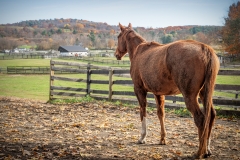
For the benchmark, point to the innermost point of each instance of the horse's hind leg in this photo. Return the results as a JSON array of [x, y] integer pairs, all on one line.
[[211, 123], [193, 106], [161, 115], [141, 96]]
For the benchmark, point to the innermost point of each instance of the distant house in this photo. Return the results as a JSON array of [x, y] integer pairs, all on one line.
[[77, 51], [6, 51], [15, 50]]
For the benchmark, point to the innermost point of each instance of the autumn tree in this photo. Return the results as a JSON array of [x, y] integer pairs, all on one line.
[[7, 43], [112, 32], [111, 43], [79, 26], [44, 45], [4, 44], [67, 26], [231, 30], [201, 37]]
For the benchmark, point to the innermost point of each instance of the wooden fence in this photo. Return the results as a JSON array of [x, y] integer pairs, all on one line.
[[21, 56], [110, 94], [26, 70], [105, 61]]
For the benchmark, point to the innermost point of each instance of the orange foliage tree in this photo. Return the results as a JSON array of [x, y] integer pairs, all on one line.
[[111, 43], [231, 30], [112, 32], [79, 26]]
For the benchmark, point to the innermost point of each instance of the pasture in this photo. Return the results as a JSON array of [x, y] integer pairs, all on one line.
[[24, 62]]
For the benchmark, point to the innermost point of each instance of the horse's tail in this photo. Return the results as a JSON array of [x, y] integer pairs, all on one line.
[[212, 69]]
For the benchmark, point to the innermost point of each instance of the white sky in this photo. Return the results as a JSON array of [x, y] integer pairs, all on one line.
[[141, 13]]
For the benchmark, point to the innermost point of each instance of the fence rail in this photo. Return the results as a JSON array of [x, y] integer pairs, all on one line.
[[22, 56], [27, 70], [105, 61], [111, 94]]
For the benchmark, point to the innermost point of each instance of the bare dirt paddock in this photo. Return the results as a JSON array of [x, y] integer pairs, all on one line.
[[100, 130]]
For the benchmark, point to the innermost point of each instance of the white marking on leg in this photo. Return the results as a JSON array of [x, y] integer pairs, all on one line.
[[144, 131], [208, 146]]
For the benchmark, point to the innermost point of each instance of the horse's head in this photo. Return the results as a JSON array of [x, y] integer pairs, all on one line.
[[122, 47]]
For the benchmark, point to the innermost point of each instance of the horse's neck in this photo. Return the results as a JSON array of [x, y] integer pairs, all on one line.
[[133, 44]]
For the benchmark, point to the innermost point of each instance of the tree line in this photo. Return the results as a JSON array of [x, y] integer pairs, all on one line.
[[51, 38], [50, 34]]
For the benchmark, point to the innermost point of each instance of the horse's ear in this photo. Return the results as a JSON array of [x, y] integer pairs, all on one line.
[[130, 26], [121, 27]]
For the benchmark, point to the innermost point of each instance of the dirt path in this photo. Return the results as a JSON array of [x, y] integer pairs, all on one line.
[[100, 130]]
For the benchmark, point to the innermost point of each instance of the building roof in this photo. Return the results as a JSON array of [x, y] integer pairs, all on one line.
[[72, 49]]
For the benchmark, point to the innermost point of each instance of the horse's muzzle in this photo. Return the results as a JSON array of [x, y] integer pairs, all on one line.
[[118, 54], [118, 57]]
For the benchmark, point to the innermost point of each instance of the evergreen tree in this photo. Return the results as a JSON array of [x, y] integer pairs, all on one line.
[[92, 37]]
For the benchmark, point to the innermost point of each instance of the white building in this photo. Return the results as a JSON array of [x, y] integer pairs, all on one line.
[[77, 51]]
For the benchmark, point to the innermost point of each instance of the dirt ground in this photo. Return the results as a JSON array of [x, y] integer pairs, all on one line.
[[101, 130]]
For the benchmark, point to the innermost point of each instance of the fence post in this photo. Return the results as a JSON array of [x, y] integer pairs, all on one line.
[[51, 80], [174, 100], [110, 84], [88, 78]]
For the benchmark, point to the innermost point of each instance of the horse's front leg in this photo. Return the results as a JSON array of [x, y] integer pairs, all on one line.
[[141, 96], [161, 116]]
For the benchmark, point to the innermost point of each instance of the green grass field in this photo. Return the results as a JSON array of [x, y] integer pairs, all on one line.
[[37, 86], [25, 62]]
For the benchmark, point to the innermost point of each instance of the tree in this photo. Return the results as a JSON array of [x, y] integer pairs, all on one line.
[[44, 45], [67, 26], [44, 33], [167, 38], [74, 31], [111, 43], [79, 26], [59, 31], [231, 30], [7, 43], [202, 38], [92, 37], [112, 32]]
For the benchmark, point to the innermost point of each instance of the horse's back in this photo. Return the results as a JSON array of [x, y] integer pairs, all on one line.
[[150, 71], [166, 69]]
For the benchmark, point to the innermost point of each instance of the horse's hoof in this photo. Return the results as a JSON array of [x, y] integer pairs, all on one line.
[[207, 155], [197, 156], [162, 142], [209, 152], [141, 141]]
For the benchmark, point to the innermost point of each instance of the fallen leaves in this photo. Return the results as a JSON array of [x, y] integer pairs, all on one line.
[[35, 130]]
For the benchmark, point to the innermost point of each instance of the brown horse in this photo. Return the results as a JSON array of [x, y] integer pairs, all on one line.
[[188, 67]]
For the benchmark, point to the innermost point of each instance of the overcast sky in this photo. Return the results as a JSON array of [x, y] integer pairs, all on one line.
[[141, 13]]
